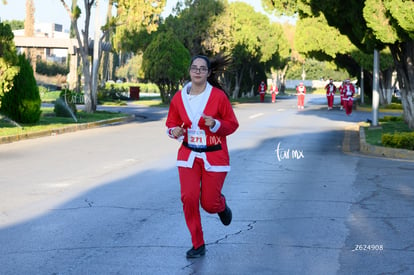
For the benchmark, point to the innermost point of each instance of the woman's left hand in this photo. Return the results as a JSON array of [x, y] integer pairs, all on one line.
[[209, 121]]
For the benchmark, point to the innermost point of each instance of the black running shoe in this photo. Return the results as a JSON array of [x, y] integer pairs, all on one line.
[[226, 215], [196, 253]]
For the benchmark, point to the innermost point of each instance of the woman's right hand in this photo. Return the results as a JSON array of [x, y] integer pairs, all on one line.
[[178, 131]]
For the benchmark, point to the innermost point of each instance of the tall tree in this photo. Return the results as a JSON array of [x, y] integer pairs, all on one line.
[[132, 17], [251, 39], [193, 21], [29, 20], [105, 65], [83, 41], [377, 24], [165, 62], [29, 31], [8, 60], [22, 103], [373, 24], [15, 24], [131, 13], [316, 39]]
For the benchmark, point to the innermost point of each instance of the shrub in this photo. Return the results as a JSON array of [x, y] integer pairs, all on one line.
[[22, 103], [396, 100], [391, 118], [113, 92], [64, 105], [63, 109], [394, 106], [51, 68], [399, 140], [120, 91]]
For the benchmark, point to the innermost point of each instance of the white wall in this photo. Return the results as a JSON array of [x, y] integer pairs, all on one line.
[[291, 84]]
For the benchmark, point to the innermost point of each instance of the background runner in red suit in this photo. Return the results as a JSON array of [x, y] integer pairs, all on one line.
[[341, 92], [274, 91], [349, 91], [300, 93], [201, 116], [262, 90], [330, 93]]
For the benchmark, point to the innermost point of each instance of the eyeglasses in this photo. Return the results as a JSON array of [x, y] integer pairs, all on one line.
[[201, 70]]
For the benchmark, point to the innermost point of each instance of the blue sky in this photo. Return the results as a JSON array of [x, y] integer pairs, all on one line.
[[52, 11]]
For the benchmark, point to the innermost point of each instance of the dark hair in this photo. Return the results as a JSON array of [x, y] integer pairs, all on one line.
[[202, 57], [216, 66]]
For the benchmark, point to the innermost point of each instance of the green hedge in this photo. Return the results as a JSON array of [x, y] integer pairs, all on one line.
[[143, 87], [65, 105], [396, 133], [22, 103], [391, 118], [51, 68], [394, 106], [120, 91], [399, 140]]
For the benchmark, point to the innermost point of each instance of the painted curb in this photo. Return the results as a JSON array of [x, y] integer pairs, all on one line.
[[69, 129]]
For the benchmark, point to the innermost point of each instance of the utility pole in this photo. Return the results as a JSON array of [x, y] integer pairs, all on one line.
[[361, 85], [375, 87], [96, 49]]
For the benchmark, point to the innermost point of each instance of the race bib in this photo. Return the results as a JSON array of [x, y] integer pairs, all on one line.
[[197, 138]]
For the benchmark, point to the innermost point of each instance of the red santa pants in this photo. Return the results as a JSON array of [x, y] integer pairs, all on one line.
[[262, 96], [330, 99], [273, 97], [199, 186], [348, 106], [301, 100]]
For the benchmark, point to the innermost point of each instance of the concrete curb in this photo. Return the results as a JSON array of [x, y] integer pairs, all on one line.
[[380, 151], [69, 129], [368, 109]]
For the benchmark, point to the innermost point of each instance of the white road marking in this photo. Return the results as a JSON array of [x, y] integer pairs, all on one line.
[[255, 115]]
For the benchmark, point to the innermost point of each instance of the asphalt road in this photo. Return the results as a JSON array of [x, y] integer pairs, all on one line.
[[107, 200]]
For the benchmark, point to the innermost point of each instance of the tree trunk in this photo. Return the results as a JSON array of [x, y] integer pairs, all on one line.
[[403, 54], [252, 74], [90, 105], [87, 86], [386, 86], [237, 82], [227, 83], [283, 79], [105, 62]]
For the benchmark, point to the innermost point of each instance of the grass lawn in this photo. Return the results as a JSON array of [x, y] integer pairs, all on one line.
[[49, 97], [150, 101], [49, 121]]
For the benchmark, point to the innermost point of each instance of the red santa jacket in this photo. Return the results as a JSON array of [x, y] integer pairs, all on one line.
[[301, 89], [214, 103], [348, 91], [262, 88], [330, 89], [341, 90]]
